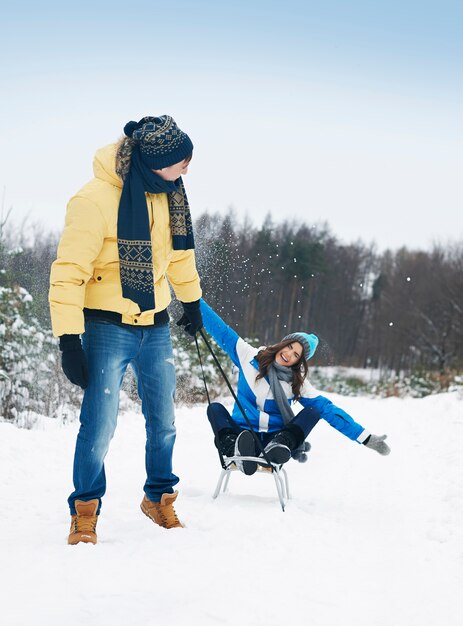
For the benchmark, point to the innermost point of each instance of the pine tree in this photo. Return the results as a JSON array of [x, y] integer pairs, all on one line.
[[26, 355]]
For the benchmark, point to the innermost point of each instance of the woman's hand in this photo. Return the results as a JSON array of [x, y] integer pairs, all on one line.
[[378, 444]]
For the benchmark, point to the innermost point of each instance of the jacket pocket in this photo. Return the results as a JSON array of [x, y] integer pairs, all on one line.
[[104, 275], [104, 288]]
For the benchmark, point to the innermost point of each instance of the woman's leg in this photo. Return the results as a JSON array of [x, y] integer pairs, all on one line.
[[230, 439], [220, 419], [287, 440], [302, 424]]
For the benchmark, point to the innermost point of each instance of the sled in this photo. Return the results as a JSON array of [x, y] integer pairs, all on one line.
[[277, 471]]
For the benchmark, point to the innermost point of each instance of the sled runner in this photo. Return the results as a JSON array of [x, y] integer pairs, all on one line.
[[277, 471], [229, 463]]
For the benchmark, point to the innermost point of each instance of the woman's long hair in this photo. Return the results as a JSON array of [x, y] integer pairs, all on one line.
[[266, 357]]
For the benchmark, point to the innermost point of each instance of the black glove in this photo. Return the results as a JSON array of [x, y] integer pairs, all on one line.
[[378, 444], [191, 320], [73, 360]]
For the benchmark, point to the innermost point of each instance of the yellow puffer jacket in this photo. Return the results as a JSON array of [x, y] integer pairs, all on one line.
[[86, 271]]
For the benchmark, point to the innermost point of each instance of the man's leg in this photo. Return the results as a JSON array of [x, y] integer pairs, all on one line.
[[108, 348], [155, 371]]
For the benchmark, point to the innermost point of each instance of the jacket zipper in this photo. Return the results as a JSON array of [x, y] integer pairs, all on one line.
[[152, 215]]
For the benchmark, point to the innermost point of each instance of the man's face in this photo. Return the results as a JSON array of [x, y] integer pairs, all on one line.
[[174, 171]]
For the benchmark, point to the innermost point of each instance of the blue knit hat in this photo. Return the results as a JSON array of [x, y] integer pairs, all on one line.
[[160, 141], [308, 342]]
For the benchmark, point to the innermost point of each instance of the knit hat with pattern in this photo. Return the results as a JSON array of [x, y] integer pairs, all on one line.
[[308, 342], [160, 141]]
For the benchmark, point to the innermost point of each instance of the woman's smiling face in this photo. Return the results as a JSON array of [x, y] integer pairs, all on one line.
[[289, 355]]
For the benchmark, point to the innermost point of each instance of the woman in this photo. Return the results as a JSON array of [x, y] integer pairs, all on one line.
[[270, 379]]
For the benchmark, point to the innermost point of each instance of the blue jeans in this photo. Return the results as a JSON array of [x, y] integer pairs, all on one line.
[[300, 426], [110, 348]]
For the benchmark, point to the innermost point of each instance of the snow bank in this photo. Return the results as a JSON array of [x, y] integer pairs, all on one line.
[[366, 540]]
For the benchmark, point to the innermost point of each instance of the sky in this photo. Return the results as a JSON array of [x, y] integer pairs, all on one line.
[[341, 112]]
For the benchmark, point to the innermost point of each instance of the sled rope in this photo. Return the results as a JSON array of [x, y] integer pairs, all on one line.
[[238, 403]]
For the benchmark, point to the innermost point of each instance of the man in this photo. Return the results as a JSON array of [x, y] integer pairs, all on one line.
[[128, 234]]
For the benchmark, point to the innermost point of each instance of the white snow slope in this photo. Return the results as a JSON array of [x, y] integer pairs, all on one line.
[[365, 540]]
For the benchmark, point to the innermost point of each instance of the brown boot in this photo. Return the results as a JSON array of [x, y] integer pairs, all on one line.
[[84, 523], [162, 513]]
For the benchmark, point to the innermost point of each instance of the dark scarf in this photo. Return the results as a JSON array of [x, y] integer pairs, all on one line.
[[133, 229], [276, 373]]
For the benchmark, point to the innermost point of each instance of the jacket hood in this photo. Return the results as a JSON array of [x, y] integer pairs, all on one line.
[[104, 165], [112, 163]]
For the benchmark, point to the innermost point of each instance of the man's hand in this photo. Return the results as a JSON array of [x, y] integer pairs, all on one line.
[[191, 320], [73, 360]]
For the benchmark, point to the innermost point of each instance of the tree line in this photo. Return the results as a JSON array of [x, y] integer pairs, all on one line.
[[397, 311]]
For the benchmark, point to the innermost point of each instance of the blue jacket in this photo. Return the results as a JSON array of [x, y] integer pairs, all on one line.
[[256, 397]]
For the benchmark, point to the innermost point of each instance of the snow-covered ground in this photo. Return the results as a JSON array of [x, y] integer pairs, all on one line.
[[365, 540]]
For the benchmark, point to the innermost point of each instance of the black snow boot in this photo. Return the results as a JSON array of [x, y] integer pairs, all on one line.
[[242, 444], [226, 439], [280, 446]]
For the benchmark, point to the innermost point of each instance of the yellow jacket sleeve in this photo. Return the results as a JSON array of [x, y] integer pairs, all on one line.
[[80, 244], [183, 276]]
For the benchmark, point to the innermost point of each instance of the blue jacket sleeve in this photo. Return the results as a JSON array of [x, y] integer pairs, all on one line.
[[336, 417], [225, 336]]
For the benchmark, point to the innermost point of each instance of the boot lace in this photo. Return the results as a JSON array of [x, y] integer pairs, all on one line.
[[167, 515], [84, 523]]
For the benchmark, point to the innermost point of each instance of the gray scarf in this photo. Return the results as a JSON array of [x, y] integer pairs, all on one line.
[[276, 373]]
